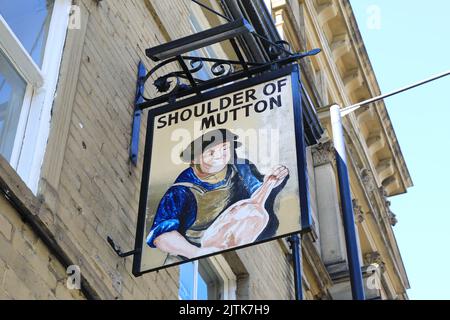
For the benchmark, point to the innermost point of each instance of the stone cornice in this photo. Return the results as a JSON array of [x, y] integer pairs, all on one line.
[[375, 199], [330, 24], [372, 83]]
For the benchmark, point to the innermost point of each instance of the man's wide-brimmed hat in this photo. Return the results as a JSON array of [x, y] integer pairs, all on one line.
[[208, 140]]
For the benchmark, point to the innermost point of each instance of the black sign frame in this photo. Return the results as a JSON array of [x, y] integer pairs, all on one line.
[[306, 219]]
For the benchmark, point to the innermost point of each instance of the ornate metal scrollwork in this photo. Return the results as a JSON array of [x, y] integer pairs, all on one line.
[[194, 65], [218, 69], [163, 84], [280, 49], [188, 80], [193, 61]]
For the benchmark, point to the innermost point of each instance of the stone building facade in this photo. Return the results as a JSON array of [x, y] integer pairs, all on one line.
[[67, 182]]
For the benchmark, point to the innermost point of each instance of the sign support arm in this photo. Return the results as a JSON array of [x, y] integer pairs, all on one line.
[[296, 242]]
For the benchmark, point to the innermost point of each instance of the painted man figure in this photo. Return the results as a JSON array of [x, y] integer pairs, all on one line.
[[215, 204]]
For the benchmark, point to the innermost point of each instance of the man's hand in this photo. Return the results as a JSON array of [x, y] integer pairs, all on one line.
[[278, 174]]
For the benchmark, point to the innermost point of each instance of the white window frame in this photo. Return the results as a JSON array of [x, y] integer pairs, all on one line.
[[34, 122], [19, 57], [223, 271]]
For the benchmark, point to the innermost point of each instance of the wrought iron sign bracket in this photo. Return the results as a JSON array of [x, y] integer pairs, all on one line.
[[118, 251], [295, 243], [185, 82], [193, 80], [137, 113]]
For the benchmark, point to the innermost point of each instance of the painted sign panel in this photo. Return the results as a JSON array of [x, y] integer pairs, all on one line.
[[223, 172]]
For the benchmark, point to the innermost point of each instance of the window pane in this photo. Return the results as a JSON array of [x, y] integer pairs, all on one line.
[[12, 91], [29, 20], [186, 290], [202, 290]]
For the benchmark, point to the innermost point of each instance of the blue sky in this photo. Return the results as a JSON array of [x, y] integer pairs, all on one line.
[[412, 42]]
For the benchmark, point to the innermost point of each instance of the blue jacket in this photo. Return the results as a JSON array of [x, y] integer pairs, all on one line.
[[177, 209]]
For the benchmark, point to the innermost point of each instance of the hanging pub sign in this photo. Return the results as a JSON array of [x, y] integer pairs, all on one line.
[[222, 171]]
